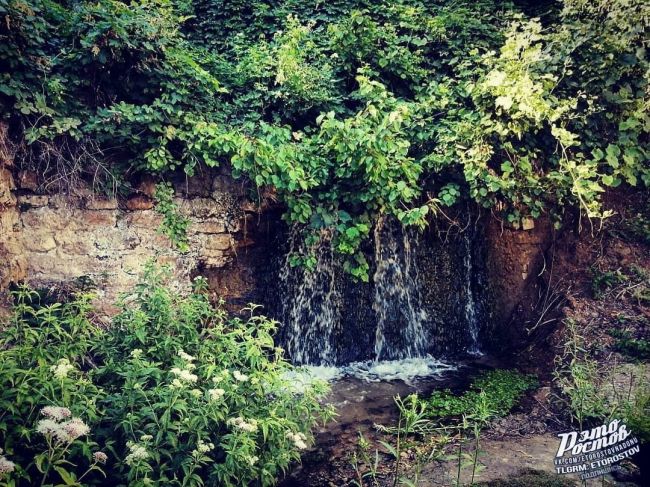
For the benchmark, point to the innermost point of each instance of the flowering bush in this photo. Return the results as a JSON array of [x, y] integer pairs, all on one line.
[[176, 393], [45, 387]]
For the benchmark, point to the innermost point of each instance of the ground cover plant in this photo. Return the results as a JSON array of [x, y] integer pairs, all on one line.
[[501, 390]]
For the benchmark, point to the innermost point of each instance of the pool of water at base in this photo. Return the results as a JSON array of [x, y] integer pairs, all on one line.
[[363, 395]]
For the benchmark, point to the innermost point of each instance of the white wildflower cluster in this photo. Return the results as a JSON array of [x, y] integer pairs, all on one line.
[[76, 428], [216, 394], [61, 431], [6, 466], [62, 368], [186, 356], [239, 376], [249, 426], [136, 353], [252, 460], [100, 457], [196, 392], [298, 439], [56, 413], [137, 452], [202, 448], [184, 375]]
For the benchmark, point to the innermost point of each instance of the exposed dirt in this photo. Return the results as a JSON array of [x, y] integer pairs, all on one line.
[[599, 277]]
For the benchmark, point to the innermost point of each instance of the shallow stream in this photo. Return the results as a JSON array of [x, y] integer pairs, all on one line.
[[363, 395]]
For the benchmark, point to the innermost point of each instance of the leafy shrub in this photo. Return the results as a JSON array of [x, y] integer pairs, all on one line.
[[636, 413], [635, 228], [45, 355], [173, 393], [633, 281], [496, 391], [604, 280], [174, 225], [580, 379]]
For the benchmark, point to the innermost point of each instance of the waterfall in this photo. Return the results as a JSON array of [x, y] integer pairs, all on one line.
[[397, 301], [423, 299], [471, 315], [311, 308]]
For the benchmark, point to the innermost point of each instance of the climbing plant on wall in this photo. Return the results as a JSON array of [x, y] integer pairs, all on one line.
[[347, 109]]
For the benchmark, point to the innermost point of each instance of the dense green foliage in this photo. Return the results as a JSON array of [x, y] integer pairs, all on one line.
[[174, 225], [174, 393], [499, 390], [346, 109]]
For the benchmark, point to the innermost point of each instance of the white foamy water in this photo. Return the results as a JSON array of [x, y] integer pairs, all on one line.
[[312, 312], [397, 295], [406, 370]]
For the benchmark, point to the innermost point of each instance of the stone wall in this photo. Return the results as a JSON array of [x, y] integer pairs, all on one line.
[[54, 240], [13, 264]]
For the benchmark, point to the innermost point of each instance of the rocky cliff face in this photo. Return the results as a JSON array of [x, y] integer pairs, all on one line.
[[55, 240], [13, 265]]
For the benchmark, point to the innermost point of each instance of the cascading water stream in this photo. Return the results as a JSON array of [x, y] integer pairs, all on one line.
[[422, 301], [471, 316], [311, 312], [397, 301]]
